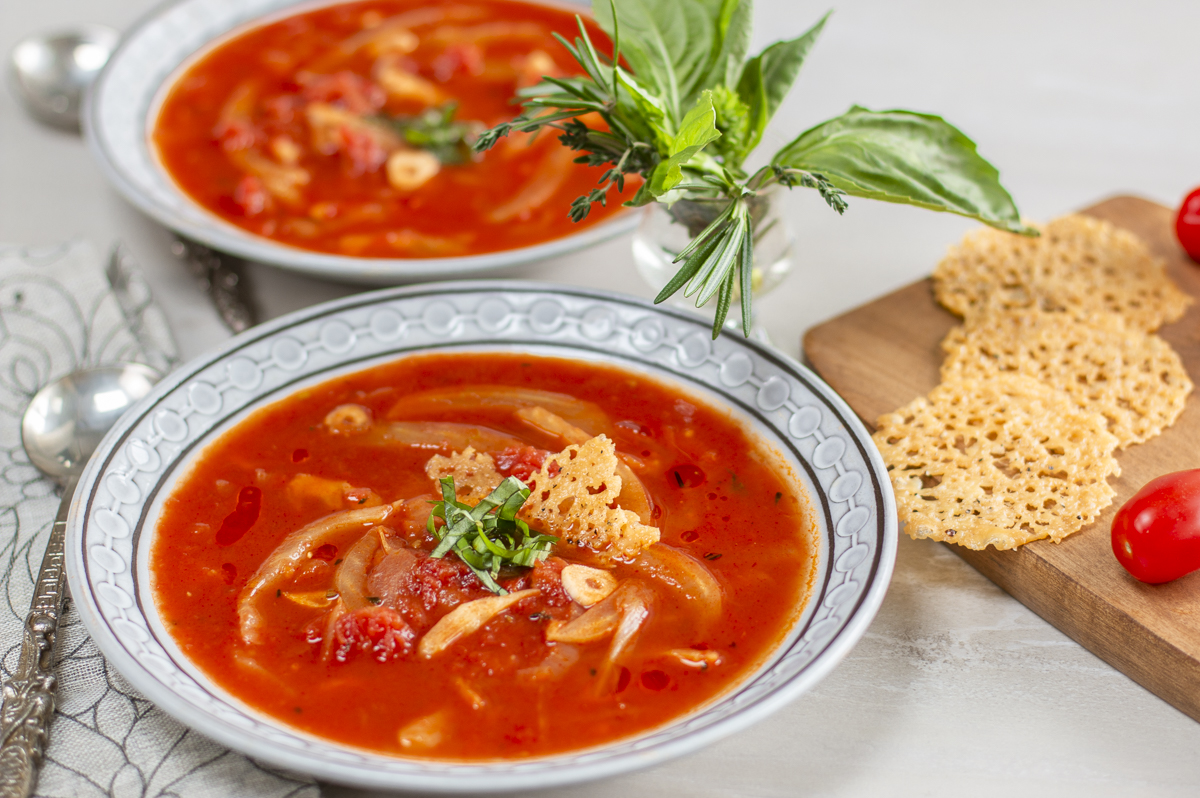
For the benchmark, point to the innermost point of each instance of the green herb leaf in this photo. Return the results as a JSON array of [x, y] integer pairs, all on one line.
[[679, 48], [904, 157], [488, 535], [654, 42], [696, 130], [735, 124], [646, 106], [727, 48], [768, 77], [746, 270], [435, 130]]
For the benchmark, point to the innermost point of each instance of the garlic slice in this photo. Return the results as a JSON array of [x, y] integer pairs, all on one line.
[[586, 585]]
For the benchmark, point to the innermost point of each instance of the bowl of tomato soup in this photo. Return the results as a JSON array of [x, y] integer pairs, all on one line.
[[481, 536], [335, 138]]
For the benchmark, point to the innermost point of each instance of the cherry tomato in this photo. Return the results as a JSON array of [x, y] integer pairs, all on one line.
[[1156, 534], [1187, 225]]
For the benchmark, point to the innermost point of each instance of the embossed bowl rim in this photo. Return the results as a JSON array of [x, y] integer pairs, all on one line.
[[197, 222], [337, 763]]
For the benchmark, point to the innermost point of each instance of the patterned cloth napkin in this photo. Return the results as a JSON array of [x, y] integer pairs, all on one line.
[[63, 308]]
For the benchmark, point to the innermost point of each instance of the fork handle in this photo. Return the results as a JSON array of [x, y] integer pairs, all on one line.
[[29, 695]]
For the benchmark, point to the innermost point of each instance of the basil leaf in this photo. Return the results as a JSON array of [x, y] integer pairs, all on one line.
[[646, 108], [768, 77], [752, 90], [643, 196], [696, 130], [734, 122], [679, 48], [728, 45], [654, 40], [904, 157]]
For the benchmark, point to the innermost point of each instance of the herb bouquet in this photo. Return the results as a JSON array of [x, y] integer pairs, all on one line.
[[692, 106]]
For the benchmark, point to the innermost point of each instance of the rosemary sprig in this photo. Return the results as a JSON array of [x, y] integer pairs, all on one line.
[[489, 535]]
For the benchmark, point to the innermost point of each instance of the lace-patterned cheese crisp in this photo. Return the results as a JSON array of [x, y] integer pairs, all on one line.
[[1078, 264], [578, 502], [1135, 380], [475, 474], [997, 462], [573, 495]]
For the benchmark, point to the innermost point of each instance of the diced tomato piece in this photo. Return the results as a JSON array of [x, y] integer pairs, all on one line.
[[362, 149], [236, 134], [521, 462], [464, 56], [356, 93], [250, 197], [446, 582], [380, 632], [546, 576]]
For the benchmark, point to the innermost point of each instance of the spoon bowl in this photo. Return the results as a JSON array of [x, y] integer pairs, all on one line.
[[66, 420], [52, 72]]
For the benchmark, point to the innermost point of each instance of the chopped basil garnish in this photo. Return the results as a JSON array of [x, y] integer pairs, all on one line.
[[489, 535]]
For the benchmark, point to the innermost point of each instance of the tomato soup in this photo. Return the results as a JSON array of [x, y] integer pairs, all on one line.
[[347, 130], [297, 562]]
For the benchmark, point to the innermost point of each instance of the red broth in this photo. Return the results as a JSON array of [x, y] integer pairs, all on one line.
[[720, 501], [283, 130]]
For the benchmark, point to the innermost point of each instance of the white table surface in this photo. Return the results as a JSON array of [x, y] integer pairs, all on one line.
[[957, 689]]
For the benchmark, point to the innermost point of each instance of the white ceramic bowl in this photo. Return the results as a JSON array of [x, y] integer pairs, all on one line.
[[111, 525], [120, 110]]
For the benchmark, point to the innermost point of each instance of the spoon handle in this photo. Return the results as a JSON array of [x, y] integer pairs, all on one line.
[[30, 694]]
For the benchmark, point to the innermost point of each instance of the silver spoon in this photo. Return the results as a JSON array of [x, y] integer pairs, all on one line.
[[51, 72], [61, 428]]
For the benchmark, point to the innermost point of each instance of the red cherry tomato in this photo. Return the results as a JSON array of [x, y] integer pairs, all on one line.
[[1187, 225], [1156, 534]]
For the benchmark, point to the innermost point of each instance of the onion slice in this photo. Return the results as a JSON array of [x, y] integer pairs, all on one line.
[[351, 577], [465, 619], [449, 401], [439, 435], [290, 554], [684, 573]]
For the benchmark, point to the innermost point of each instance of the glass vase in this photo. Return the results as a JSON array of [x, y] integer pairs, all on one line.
[[665, 230]]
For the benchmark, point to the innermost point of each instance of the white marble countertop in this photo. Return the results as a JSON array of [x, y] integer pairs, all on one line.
[[957, 689]]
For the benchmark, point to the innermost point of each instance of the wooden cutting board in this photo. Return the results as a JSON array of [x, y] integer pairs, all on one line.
[[886, 353]]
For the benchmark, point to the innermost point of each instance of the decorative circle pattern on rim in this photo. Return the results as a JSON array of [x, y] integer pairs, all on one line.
[[794, 411]]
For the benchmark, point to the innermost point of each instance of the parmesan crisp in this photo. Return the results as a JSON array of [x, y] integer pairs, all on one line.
[[475, 474], [573, 496], [997, 462], [1134, 379], [1079, 264]]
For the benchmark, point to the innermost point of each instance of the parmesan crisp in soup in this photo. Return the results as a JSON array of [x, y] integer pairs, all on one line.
[[347, 129], [481, 556]]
